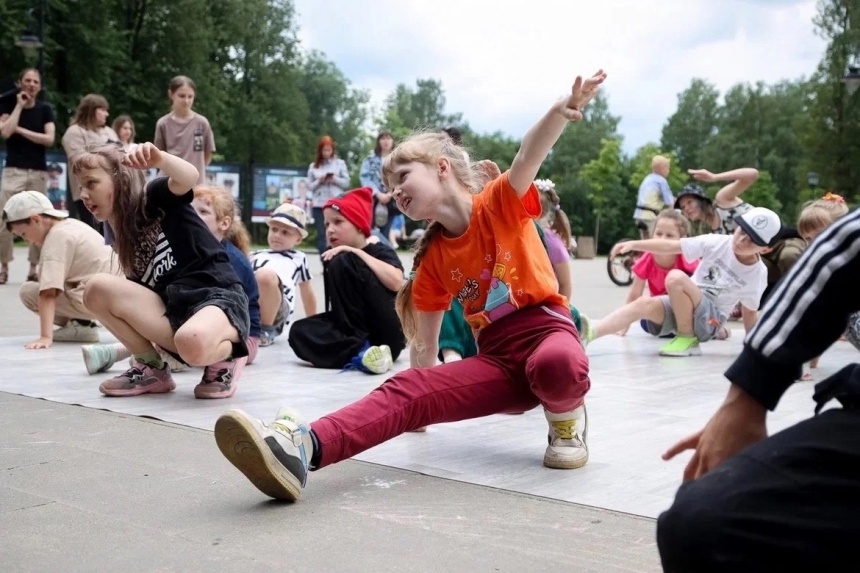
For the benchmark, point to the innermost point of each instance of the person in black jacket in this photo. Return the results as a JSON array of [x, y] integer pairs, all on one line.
[[752, 502]]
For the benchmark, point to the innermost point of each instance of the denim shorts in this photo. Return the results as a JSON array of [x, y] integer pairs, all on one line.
[[182, 302]]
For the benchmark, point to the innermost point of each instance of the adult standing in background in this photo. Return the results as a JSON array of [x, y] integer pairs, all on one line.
[[183, 132], [654, 195], [328, 177], [384, 208], [28, 127], [87, 130]]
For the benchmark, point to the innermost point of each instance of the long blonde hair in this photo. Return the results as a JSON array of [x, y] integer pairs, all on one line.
[[426, 148], [819, 214], [129, 218], [224, 206]]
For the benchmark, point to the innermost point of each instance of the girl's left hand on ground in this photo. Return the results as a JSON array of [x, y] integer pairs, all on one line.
[[39, 344], [582, 92], [332, 253], [143, 156]]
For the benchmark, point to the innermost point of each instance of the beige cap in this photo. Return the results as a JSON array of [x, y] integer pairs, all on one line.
[[25, 204]]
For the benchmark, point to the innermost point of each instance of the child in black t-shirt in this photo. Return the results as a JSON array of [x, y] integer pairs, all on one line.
[[360, 328], [183, 294]]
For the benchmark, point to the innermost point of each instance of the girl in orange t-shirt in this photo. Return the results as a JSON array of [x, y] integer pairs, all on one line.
[[480, 248]]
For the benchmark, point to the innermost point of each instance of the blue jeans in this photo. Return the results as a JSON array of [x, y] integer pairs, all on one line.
[[319, 225]]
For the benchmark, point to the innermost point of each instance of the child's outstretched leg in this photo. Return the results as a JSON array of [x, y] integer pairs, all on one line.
[[135, 315], [650, 309], [684, 298]]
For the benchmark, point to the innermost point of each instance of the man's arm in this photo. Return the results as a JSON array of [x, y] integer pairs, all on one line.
[[806, 313]]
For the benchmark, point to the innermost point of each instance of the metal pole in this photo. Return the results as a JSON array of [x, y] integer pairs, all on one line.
[[42, 40]]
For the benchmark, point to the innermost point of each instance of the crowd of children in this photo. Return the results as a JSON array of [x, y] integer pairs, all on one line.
[[486, 308]]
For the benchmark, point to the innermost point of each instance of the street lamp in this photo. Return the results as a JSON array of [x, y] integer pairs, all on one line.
[[812, 179], [852, 78]]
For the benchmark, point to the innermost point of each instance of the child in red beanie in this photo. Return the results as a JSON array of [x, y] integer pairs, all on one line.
[[359, 328]]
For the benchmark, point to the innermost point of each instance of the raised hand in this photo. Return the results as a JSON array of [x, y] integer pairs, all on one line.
[[582, 92], [702, 175], [143, 156]]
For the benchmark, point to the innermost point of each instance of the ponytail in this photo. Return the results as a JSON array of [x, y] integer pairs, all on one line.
[[403, 303]]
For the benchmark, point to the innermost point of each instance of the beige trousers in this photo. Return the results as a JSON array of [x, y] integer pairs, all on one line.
[[14, 181], [70, 304]]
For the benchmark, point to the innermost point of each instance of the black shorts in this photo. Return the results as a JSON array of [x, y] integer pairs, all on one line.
[[183, 301]]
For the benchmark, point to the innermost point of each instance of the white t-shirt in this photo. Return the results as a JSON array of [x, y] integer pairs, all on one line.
[[290, 266], [721, 275]]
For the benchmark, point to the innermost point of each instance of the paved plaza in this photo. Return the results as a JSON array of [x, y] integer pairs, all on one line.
[[89, 483]]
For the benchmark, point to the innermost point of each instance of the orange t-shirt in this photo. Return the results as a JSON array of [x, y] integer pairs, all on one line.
[[497, 266]]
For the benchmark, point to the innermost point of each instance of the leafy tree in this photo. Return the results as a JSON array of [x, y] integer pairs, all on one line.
[[610, 196], [407, 109], [689, 130]]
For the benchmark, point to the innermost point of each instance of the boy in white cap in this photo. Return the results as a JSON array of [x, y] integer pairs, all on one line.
[[72, 252], [281, 270], [695, 308]]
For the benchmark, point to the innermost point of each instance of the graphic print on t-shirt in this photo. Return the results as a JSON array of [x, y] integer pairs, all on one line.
[[161, 263], [500, 300]]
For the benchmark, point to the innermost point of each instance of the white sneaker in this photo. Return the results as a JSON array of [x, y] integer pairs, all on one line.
[[274, 457], [377, 359], [567, 447], [98, 357], [74, 331]]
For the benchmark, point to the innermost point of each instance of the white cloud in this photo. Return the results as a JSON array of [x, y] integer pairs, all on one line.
[[502, 62]]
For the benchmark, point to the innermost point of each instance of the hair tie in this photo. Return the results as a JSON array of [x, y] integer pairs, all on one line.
[[557, 208], [833, 197], [412, 275]]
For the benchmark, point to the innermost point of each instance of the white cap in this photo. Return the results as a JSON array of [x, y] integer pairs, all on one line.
[[25, 204], [762, 225]]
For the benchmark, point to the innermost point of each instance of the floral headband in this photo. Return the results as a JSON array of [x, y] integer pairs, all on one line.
[[833, 197], [544, 185]]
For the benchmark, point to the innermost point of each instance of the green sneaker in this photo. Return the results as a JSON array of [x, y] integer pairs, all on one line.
[[586, 336], [682, 346]]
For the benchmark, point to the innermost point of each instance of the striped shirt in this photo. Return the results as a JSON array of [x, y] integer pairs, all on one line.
[[807, 313]]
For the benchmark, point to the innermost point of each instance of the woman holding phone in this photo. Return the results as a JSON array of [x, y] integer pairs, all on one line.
[[328, 177]]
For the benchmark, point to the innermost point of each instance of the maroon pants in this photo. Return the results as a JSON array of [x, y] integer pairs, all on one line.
[[529, 358]]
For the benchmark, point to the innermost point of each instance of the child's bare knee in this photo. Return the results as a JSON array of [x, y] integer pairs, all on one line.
[[267, 279], [97, 291], [192, 345], [676, 279]]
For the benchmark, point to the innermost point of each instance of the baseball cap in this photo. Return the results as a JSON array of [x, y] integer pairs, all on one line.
[[25, 204], [291, 216], [762, 225]]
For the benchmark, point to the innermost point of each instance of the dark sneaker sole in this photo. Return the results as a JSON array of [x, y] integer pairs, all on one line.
[[247, 450]]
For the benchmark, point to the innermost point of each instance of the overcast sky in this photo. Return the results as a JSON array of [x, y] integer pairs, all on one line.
[[502, 63]]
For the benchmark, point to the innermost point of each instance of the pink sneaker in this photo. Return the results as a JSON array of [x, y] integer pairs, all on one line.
[[219, 379], [139, 379], [253, 345]]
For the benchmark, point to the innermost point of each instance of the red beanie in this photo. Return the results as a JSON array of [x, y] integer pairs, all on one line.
[[356, 206]]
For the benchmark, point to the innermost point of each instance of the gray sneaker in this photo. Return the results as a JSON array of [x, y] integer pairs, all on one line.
[[139, 379], [74, 331], [568, 432], [274, 456]]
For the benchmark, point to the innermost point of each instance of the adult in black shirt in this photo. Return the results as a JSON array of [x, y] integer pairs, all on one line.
[[28, 127]]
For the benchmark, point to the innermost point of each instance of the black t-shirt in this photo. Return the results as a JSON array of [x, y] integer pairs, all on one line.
[[20, 151], [177, 247]]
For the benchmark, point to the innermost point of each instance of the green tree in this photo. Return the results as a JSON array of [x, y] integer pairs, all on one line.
[[610, 196], [424, 107], [689, 130], [832, 127], [765, 193]]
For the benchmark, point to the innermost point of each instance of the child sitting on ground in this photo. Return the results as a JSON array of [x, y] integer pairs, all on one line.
[[281, 270], [651, 269], [814, 218], [695, 308], [71, 253], [360, 328]]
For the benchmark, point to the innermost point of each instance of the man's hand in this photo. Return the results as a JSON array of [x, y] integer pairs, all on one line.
[[39, 344], [738, 423]]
